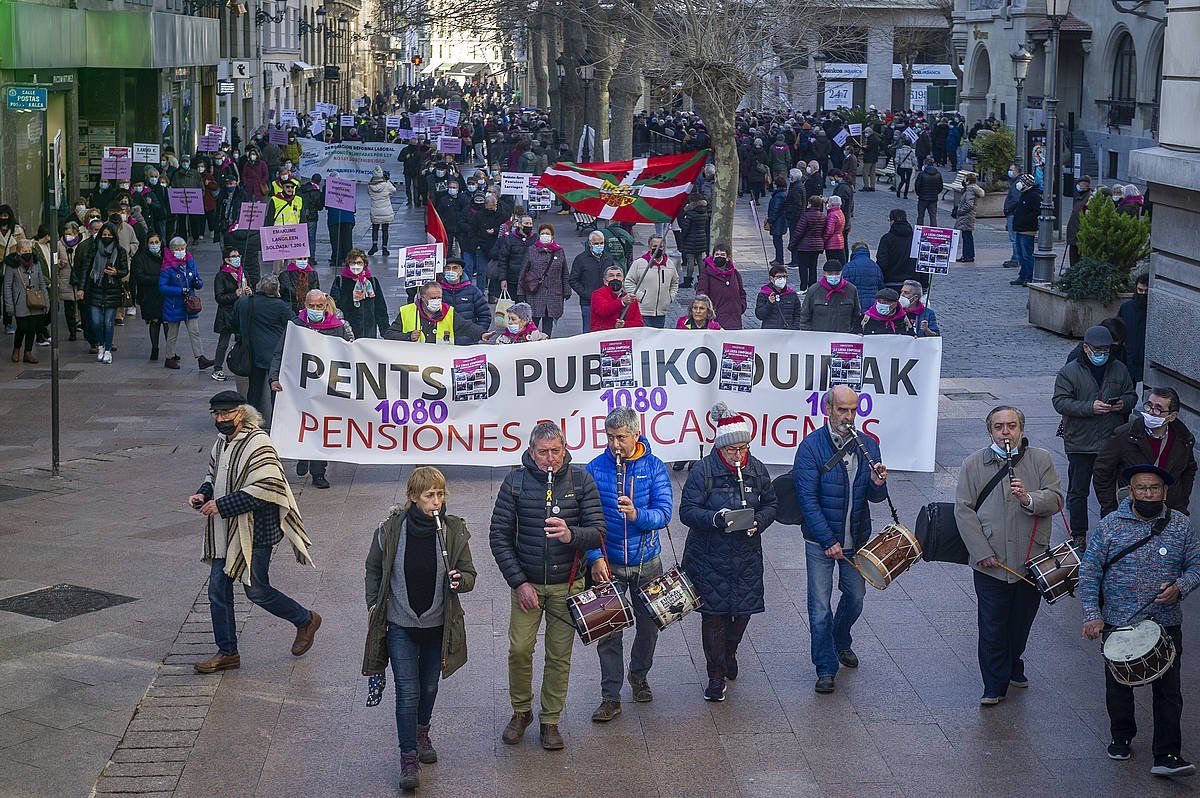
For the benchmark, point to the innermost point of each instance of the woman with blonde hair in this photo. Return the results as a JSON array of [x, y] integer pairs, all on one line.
[[418, 563]]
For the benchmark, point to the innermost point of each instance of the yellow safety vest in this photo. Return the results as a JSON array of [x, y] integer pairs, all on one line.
[[287, 212], [410, 321]]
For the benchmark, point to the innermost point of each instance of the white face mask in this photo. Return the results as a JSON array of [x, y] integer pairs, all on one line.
[[545, 238], [1153, 422], [905, 302], [780, 283], [435, 305], [180, 254], [356, 268]]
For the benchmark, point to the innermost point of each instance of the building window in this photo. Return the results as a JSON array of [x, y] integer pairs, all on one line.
[[1124, 83]]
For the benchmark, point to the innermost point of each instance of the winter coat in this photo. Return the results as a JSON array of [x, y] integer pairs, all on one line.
[[381, 559], [509, 258], [186, 178], [793, 205], [726, 291], [271, 317], [808, 235], [682, 324], [835, 226], [780, 159], [866, 276], [1134, 316], [380, 190], [905, 158], [1025, 214], [783, 314], [824, 497], [109, 292], [312, 197], [654, 286], [545, 280], [256, 180], [928, 184], [632, 543], [1130, 445], [607, 309], [776, 218], [518, 542], [342, 331], [726, 567], [1075, 390], [693, 227], [468, 302], [587, 273], [845, 191], [294, 284], [178, 279], [892, 255], [837, 313], [966, 207], [225, 292], [478, 222], [899, 323], [17, 282], [368, 317]]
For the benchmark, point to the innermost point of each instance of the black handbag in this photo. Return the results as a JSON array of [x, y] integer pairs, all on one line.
[[240, 359], [937, 530]]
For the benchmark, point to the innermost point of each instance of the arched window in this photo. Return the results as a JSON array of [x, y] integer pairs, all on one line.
[[1124, 76]]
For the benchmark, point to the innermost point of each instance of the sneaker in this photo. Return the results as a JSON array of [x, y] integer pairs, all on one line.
[[715, 690], [641, 690], [990, 700], [218, 375], [44, 342], [99, 354], [824, 684], [130, 311], [8, 329], [731, 668], [1021, 681], [410, 772], [608, 710], [1010, 264], [425, 750], [1018, 281], [1120, 750], [1171, 765], [107, 356], [848, 658]]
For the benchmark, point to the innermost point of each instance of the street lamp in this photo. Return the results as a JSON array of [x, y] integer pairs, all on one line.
[[1020, 58], [1043, 257], [819, 59], [587, 72], [562, 74]]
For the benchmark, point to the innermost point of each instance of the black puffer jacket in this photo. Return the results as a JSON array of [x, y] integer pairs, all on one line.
[[892, 255], [507, 259], [110, 290], [518, 538]]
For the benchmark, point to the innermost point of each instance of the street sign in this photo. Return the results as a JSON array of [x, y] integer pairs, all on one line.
[[25, 98]]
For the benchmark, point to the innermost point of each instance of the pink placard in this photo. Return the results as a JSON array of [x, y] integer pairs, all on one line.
[[284, 242], [340, 194], [450, 144], [209, 143], [115, 168], [186, 201], [276, 136], [252, 215]]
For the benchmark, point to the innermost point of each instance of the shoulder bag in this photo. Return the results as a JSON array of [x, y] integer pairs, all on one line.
[[241, 356], [937, 531]]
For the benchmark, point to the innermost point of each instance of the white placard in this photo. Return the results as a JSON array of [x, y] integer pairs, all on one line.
[[146, 153]]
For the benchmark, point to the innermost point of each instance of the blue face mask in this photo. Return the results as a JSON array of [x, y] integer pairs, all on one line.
[[883, 309], [315, 316], [1098, 358], [154, 248], [235, 262], [597, 249], [998, 449], [514, 328]]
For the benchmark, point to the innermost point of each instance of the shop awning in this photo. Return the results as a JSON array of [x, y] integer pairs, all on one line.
[[303, 66], [432, 67], [466, 68]]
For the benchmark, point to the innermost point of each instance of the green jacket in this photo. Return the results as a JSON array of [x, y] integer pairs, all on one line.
[[378, 583], [619, 243], [1083, 431]]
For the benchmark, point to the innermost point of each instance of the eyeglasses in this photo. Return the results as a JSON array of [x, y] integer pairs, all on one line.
[[1156, 411], [1148, 490], [739, 448]]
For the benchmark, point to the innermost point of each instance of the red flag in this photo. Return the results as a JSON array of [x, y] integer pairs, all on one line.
[[435, 231], [641, 190]]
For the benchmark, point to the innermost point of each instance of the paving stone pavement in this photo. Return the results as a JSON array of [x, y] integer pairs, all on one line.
[[90, 695]]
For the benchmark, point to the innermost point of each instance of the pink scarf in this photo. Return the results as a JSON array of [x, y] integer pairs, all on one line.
[[551, 247], [330, 321], [363, 287], [888, 320], [292, 267], [830, 290], [524, 334], [232, 272], [915, 309], [660, 263]]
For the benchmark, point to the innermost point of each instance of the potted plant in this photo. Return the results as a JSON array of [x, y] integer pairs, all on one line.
[[994, 152], [1111, 245]]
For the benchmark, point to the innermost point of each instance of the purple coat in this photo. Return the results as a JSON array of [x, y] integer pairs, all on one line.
[[545, 280], [726, 291], [809, 233]]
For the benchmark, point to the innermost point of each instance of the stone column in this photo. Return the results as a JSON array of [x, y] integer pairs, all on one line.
[[879, 66], [1172, 172]]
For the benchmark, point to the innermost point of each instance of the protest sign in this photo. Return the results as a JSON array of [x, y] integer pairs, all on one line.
[[419, 123], [277, 137], [514, 184], [252, 215], [346, 120], [340, 194], [327, 109], [208, 143], [846, 364], [450, 144], [911, 134], [392, 122], [186, 201], [406, 135], [318, 127], [392, 402], [353, 160], [470, 378], [540, 199], [288, 117], [420, 264], [115, 168], [284, 242], [737, 368], [215, 130], [146, 153], [935, 248], [855, 129], [118, 152], [841, 137], [452, 117], [838, 94]]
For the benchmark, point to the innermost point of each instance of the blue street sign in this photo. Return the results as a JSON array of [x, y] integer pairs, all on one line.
[[25, 98]]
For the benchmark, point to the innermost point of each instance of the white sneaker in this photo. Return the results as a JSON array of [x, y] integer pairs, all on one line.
[[218, 375], [130, 311], [107, 357], [100, 355]]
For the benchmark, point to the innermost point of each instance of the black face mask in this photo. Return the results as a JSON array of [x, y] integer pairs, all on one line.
[[720, 262], [1140, 300], [615, 285], [1148, 509], [226, 428]]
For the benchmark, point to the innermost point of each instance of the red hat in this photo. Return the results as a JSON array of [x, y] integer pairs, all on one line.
[[731, 427]]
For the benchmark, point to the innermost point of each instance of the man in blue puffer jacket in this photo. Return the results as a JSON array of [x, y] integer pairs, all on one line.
[[637, 500], [837, 522]]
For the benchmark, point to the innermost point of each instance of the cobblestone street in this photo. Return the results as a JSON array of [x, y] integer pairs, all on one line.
[[112, 692]]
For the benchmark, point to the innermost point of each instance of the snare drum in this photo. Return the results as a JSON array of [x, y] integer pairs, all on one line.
[[1056, 573], [1139, 654], [599, 612], [887, 555], [669, 597]]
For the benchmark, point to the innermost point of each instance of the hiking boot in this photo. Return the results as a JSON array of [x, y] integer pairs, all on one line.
[[551, 739], [715, 690], [171, 362], [824, 684], [306, 634], [410, 772], [1119, 750], [609, 708], [515, 729], [30, 357], [848, 658], [16, 355], [425, 750], [1171, 765], [641, 690], [204, 363], [219, 662]]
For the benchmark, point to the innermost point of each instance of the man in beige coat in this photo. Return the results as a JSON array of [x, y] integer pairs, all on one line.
[[1009, 526]]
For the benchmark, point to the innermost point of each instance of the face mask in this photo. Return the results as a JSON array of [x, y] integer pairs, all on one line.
[[452, 277], [251, 158], [780, 283], [453, 192], [597, 249], [284, 178], [435, 305], [315, 316], [302, 264], [236, 262], [1141, 300], [200, 169], [545, 238], [226, 428], [833, 279], [1098, 358], [905, 302], [287, 165], [154, 248], [154, 181], [79, 211], [720, 261], [1153, 422], [998, 449], [615, 285], [356, 268], [105, 241], [441, 172], [1011, 173], [185, 165], [1148, 509], [513, 328], [180, 254], [883, 309], [104, 184]]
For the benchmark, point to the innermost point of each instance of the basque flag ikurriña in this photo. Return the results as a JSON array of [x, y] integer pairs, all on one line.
[[641, 190]]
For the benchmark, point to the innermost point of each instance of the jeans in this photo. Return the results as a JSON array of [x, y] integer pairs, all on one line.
[[560, 640], [927, 207], [655, 321], [831, 631], [1012, 239], [903, 176], [341, 241], [1079, 485], [611, 650], [103, 320], [1025, 256], [777, 240], [968, 244], [220, 598], [586, 312], [416, 657], [720, 636], [1167, 704], [474, 264], [691, 265], [259, 394], [222, 350], [1006, 612]]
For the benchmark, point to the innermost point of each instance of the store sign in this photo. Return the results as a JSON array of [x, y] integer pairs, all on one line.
[[239, 69], [226, 86], [844, 71], [924, 72]]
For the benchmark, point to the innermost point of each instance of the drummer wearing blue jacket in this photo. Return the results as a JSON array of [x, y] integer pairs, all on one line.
[[637, 500], [832, 494]]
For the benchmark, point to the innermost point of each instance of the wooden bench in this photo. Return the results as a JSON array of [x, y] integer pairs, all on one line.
[[959, 182], [584, 223], [886, 173]]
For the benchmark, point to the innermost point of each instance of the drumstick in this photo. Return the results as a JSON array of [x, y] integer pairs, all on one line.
[[1143, 608], [1014, 573]]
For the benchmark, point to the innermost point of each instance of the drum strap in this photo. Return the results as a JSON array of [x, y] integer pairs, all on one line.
[[1155, 531]]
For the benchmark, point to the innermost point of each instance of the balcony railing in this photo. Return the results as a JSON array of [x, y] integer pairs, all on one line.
[[1120, 112]]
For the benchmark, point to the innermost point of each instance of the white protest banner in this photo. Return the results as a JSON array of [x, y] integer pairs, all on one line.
[[452, 117], [145, 153], [376, 401], [935, 248], [287, 117], [353, 160], [514, 184], [421, 264], [392, 122], [855, 128], [841, 137]]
